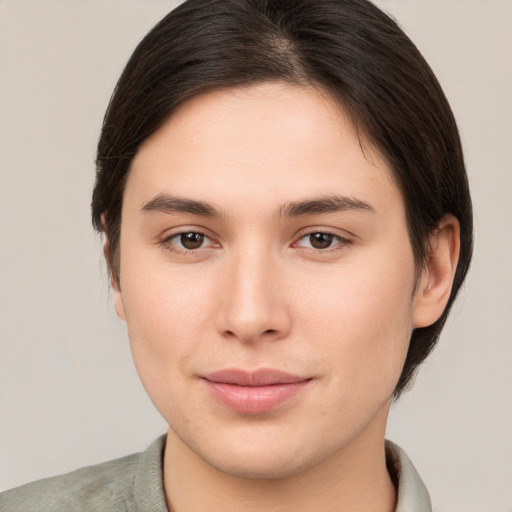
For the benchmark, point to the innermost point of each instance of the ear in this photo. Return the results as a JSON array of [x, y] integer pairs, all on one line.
[[436, 278], [118, 304], [116, 289]]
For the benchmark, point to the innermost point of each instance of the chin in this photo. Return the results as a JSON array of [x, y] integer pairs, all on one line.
[[260, 466], [265, 454]]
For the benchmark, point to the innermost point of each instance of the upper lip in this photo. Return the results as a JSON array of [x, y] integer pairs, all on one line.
[[260, 377]]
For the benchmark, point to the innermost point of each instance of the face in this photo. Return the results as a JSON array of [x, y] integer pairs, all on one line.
[[266, 280]]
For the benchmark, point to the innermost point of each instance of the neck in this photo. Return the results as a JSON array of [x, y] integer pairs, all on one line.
[[353, 479]]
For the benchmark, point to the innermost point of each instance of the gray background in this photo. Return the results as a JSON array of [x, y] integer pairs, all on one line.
[[69, 395]]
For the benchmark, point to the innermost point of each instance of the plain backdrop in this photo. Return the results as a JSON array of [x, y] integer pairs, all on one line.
[[69, 394]]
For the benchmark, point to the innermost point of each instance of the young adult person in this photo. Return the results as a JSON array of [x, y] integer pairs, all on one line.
[[287, 223]]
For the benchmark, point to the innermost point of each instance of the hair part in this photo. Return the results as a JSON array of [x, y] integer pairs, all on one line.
[[350, 49]]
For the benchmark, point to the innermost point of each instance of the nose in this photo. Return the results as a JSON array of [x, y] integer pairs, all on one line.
[[253, 305]]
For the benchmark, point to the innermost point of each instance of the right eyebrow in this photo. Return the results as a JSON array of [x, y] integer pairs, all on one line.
[[167, 203]]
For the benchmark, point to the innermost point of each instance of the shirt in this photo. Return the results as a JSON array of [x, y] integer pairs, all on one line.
[[135, 484]]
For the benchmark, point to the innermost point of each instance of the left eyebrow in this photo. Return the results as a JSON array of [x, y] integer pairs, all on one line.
[[327, 204]]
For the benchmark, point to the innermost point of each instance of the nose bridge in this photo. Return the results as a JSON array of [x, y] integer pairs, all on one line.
[[254, 305]]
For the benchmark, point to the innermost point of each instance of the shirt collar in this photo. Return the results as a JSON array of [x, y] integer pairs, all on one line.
[[412, 493], [148, 485]]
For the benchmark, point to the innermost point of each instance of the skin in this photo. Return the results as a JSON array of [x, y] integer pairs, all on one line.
[[257, 294]]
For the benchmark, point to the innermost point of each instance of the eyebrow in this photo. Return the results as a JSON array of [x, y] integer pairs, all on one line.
[[165, 203], [328, 204]]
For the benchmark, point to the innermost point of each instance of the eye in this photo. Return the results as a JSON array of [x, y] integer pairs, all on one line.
[[321, 241], [188, 241]]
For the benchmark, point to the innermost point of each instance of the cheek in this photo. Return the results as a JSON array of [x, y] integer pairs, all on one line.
[[361, 321], [167, 314]]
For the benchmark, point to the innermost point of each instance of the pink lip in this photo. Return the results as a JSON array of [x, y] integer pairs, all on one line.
[[254, 392]]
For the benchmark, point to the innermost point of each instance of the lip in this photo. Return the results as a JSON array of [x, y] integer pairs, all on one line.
[[254, 392]]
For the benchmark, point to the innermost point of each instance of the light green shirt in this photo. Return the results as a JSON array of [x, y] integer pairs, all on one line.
[[135, 484]]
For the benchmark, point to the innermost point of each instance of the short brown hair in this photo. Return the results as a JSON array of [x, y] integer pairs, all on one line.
[[346, 47]]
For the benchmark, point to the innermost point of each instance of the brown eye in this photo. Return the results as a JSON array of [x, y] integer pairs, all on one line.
[[191, 241], [320, 240]]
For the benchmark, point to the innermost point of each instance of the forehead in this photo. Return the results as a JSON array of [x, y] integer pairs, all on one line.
[[271, 141]]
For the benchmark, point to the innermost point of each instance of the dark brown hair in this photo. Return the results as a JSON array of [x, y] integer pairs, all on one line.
[[346, 47]]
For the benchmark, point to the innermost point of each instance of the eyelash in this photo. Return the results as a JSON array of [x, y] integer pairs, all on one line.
[[169, 244]]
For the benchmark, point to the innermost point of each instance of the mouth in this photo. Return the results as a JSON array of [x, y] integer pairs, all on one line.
[[254, 392]]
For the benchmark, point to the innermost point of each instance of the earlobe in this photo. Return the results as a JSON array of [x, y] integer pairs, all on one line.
[[436, 279]]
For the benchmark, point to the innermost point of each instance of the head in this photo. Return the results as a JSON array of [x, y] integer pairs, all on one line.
[[229, 81], [350, 50]]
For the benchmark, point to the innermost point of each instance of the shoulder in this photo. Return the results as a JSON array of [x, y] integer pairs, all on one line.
[[98, 487], [108, 487]]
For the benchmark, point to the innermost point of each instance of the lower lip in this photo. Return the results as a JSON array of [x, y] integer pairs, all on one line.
[[254, 399]]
